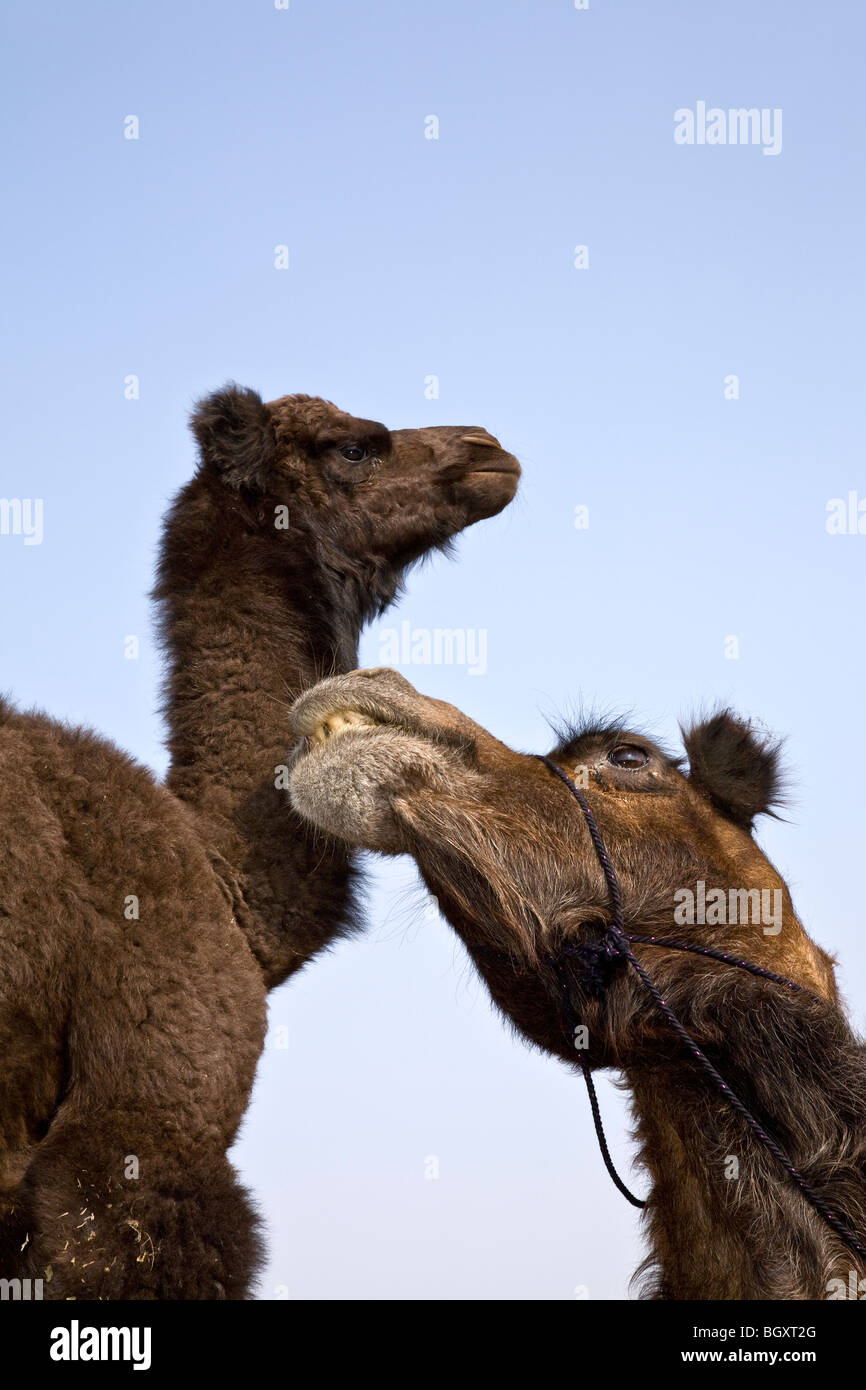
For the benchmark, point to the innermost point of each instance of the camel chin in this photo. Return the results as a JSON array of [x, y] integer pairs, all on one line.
[[485, 492]]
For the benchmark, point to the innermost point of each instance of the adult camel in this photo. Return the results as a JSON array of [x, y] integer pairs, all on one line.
[[523, 875]]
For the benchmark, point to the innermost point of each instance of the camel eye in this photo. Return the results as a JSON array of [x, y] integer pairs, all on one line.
[[354, 453], [628, 755]]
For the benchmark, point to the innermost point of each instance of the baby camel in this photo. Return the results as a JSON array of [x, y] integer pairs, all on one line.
[[505, 849], [141, 925]]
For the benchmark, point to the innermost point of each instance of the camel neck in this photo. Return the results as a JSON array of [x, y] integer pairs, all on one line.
[[725, 1221], [247, 625]]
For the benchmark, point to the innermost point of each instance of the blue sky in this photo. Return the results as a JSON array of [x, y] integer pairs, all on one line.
[[410, 258]]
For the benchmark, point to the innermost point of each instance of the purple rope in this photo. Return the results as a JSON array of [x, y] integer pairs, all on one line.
[[593, 1100], [617, 929], [710, 951]]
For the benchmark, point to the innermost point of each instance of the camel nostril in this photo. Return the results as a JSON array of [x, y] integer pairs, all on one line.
[[481, 439]]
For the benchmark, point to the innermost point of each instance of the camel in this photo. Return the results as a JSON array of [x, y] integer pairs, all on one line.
[[510, 858], [141, 924], [297, 530]]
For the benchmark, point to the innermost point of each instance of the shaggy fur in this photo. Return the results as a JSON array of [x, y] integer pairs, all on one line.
[[736, 767], [263, 588], [131, 1018], [506, 852], [141, 926]]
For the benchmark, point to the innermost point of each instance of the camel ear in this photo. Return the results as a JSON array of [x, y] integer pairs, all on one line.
[[735, 767], [235, 434]]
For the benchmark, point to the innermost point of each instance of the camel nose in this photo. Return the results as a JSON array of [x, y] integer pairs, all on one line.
[[487, 439]]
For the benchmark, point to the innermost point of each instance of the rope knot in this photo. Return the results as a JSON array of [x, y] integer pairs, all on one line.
[[594, 962]]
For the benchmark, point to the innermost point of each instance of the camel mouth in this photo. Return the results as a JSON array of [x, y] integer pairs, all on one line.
[[336, 725], [511, 470], [492, 481], [359, 707], [346, 724], [355, 756], [497, 460]]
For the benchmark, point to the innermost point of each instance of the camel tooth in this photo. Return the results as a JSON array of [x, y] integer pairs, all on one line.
[[353, 716], [338, 723]]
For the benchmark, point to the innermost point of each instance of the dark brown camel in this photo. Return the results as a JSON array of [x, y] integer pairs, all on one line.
[[506, 850], [296, 531], [140, 926]]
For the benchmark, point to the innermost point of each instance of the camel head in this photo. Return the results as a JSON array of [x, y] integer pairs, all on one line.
[[505, 849], [373, 494]]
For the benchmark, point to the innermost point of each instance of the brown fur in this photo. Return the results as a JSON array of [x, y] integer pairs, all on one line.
[[125, 1041], [253, 614], [140, 926], [505, 849]]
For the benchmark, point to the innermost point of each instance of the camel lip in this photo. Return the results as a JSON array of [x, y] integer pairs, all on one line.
[[319, 741], [499, 463], [488, 440], [342, 721], [320, 723], [370, 716], [312, 751]]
